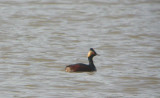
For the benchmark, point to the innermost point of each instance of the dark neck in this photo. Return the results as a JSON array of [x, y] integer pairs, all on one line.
[[90, 59]]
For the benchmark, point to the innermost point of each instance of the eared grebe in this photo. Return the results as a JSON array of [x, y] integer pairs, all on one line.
[[80, 67]]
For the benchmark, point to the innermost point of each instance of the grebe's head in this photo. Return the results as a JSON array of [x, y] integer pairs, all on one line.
[[92, 52]]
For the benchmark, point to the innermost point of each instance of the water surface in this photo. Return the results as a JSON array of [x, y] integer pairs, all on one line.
[[38, 38]]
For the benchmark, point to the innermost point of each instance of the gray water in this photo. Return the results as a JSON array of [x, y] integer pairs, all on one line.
[[38, 38]]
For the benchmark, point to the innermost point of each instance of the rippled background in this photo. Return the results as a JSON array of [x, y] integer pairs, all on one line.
[[38, 38]]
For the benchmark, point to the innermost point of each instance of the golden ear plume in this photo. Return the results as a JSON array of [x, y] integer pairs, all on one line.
[[90, 53]]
